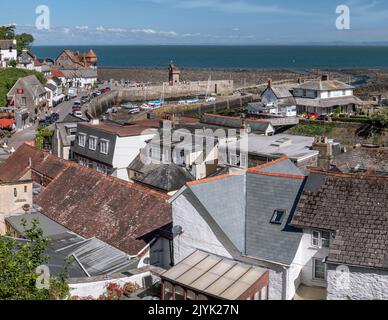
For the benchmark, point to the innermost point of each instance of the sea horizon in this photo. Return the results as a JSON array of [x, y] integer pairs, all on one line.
[[280, 56]]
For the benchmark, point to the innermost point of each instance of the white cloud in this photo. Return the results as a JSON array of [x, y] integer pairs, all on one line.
[[154, 32], [82, 28]]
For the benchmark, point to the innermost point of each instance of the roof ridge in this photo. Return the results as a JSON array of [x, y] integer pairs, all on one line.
[[268, 164], [278, 175], [347, 175]]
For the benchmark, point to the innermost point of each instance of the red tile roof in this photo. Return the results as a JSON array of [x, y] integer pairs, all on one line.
[[18, 164], [89, 203]]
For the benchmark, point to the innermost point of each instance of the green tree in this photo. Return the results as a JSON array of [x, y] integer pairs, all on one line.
[[7, 32], [24, 40], [43, 134], [19, 260]]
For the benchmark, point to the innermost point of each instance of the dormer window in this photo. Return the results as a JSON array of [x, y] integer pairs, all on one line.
[[278, 216]]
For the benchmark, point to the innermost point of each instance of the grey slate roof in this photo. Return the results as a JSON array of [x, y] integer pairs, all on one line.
[[282, 91], [265, 240], [320, 85], [355, 209], [362, 159], [6, 44], [166, 177], [30, 84], [49, 227], [225, 201], [93, 255], [241, 206], [51, 86]]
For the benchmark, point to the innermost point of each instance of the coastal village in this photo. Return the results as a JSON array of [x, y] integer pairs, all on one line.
[[195, 190]]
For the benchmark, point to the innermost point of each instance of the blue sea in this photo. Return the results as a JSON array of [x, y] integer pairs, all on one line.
[[246, 57]]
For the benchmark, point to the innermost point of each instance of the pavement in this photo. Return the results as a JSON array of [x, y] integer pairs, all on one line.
[[28, 134]]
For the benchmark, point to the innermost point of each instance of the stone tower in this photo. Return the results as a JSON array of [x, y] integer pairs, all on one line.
[[173, 74]]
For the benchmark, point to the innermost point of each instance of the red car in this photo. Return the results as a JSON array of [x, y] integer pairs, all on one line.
[[106, 90], [313, 116]]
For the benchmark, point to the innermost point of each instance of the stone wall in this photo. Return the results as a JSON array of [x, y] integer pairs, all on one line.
[[358, 284]]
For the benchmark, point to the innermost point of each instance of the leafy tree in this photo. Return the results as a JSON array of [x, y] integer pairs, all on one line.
[[24, 40], [43, 134], [7, 32], [19, 260]]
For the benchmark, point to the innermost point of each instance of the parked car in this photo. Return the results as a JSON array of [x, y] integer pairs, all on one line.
[[72, 93], [134, 110], [323, 118], [129, 105], [78, 114], [107, 89], [85, 99]]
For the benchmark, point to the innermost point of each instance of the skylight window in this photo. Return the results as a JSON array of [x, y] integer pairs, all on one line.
[[278, 216]]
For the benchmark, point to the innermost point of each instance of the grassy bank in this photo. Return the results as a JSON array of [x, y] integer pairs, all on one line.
[[8, 78]]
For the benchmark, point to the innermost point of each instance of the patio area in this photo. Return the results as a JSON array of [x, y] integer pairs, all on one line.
[[310, 293]]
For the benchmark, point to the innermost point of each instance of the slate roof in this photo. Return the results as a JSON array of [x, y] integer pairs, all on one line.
[[241, 205], [165, 177], [282, 91], [328, 85], [31, 84], [6, 44], [330, 102], [355, 209], [363, 159], [124, 130]]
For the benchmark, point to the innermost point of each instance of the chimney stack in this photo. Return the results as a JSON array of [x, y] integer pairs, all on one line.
[[269, 83], [325, 155]]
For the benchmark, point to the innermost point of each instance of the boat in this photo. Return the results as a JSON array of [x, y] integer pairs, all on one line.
[[128, 105]]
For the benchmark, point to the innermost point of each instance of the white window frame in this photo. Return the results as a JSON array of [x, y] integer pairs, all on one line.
[[101, 168], [82, 135], [95, 139], [102, 142], [315, 260], [317, 239]]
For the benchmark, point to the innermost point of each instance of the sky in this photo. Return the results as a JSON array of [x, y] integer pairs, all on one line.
[[127, 22]]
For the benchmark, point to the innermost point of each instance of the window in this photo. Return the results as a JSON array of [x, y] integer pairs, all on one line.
[[234, 160], [155, 153], [257, 296], [25, 189], [179, 293], [92, 143], [264, 293], [102, 168], [15, 192], [201, 297], [82, 140], [104, 146], [321, 239], [243, 160], [319, 272], [167, 291], [24, 101], [190, 295], [278, 216]]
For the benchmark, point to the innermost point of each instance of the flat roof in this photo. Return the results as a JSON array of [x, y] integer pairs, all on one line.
[[294, 147], [215, 276]]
